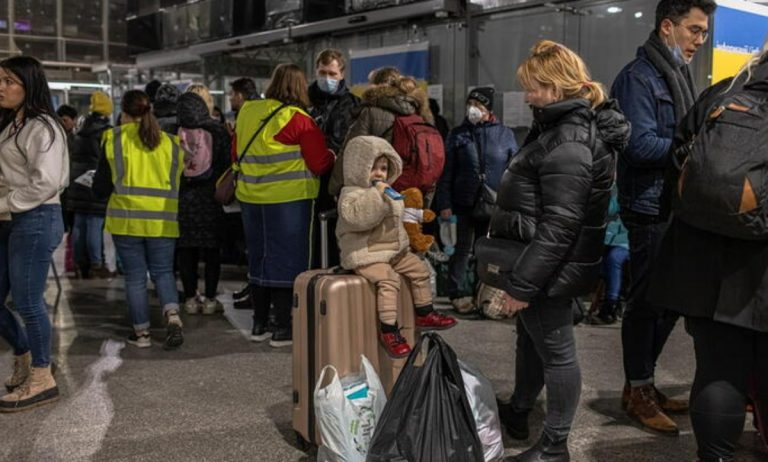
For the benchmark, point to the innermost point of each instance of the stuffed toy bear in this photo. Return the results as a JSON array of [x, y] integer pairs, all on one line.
[[413, 216]]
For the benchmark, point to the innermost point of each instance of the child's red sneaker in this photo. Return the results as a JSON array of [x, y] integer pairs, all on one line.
[[435, 320], [395, 344]]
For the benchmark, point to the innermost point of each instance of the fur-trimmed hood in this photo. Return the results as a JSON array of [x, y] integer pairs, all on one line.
[[360, 154], [394, 100]]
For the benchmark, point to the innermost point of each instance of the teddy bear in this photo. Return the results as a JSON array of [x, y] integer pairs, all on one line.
[[413, 216]]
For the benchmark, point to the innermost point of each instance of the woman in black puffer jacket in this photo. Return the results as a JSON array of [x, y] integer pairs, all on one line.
[[554, 199]]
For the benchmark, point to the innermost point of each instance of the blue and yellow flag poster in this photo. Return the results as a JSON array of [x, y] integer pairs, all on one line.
[[740, 28], [411, 59]]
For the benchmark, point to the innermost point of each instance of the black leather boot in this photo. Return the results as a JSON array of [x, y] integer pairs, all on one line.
[[544, 451], [607, 313], [515, 422]]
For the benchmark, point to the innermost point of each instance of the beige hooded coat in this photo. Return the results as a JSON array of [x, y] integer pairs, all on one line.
[[370, 228]]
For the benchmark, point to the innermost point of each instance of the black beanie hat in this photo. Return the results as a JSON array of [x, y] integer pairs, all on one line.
[[483, 95]]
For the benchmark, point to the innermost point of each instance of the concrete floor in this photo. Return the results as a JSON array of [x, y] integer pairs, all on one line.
[[223, 398]]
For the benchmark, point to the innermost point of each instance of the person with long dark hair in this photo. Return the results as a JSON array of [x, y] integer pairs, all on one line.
[[35, 167], [141, 174]]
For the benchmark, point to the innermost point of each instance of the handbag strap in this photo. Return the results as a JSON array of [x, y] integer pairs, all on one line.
[[263, 124], [480, 157]]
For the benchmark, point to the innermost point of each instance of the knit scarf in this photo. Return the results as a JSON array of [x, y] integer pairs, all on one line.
[[678, 77]]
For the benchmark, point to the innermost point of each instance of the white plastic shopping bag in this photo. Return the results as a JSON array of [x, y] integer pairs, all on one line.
[[347, 410], [482, 400]]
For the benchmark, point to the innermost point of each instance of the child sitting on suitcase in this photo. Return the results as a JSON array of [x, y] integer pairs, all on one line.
[[373, 240]]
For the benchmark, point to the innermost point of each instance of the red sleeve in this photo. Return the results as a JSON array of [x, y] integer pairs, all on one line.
[[233, 148], [303, 131]]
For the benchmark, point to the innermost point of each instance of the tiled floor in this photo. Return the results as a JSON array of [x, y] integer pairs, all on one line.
[[223, 398]]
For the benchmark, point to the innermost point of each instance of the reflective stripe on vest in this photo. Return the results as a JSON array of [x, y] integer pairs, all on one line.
[[271, 172], [143, 210]]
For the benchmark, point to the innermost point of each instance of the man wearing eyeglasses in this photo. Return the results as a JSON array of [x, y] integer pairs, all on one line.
[[655, 91]]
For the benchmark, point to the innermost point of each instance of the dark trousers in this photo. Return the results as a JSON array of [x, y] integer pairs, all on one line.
[[272, 304], [645, 327], [546, 356], [613, 264], [468, 230], [188, 259], [726, 357]]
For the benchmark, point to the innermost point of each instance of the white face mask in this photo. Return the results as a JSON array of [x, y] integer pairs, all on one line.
[[474, 115], [677, 52]]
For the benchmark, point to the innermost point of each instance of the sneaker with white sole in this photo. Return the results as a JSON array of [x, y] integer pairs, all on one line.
[[211, 306], [192, 305], [140, 340]]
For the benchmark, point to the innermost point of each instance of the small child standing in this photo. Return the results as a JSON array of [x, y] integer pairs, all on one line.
[[374, 243]]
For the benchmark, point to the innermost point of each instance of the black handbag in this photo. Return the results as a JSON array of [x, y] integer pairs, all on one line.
[[485, 204], [496, 259]]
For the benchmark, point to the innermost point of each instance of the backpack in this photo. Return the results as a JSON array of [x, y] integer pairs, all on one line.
[[197, 144], [722, 186], [421, 148]]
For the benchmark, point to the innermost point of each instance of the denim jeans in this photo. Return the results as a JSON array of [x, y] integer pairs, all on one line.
[[10, 329], [468, 230], [546, 356], [87, 234], [35, 234], [645, 327], [142, 254], [613, 263]]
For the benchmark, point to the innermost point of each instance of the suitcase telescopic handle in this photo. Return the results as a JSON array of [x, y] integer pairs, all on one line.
[[325, 217]]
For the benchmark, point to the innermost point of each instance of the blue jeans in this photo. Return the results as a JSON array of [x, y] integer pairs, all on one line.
[[35, 234], [10, 329], [645, 327], [138, 255], [546, 355], [613, 263], [87, 234]]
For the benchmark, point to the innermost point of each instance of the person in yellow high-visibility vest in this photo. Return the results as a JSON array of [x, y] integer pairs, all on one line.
[[282, 152], [142, 170]]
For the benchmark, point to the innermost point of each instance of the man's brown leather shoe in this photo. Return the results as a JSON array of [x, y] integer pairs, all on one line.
[[643, 407]]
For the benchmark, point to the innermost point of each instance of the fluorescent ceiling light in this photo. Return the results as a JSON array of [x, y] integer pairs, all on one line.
[[613, 9], [69, 85], [639, 14]]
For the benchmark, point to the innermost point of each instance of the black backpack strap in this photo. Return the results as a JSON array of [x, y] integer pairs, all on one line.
[[263, 124]]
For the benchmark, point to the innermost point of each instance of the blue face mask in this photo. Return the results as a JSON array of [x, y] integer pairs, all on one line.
[[328, 85], [677, 52]]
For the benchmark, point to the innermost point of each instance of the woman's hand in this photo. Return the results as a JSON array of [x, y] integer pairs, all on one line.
[[446, 214], [513, 305]]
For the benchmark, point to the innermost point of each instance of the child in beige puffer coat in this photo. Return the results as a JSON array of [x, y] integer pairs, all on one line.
[[373, 241]]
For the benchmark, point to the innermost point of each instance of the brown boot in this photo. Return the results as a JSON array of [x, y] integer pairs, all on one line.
[[21, 366], [672, 406], [39, 389], [642, 406]]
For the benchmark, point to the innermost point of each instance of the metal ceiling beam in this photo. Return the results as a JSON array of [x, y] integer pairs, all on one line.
[[437, 8]]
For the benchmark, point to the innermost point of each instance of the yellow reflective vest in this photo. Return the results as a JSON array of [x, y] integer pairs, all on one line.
[[271, 172], [145, 200]]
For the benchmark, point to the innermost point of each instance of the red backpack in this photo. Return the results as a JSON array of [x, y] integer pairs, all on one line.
[[421, 148]]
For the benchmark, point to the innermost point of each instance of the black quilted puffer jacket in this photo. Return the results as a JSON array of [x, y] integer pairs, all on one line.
[[554, 197]]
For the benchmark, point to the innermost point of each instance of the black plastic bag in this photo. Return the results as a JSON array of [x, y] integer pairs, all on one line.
[[428, 417]]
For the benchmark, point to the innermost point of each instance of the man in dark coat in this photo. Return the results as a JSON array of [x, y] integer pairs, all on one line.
[[655, 91], [89, 210], [332, 106]]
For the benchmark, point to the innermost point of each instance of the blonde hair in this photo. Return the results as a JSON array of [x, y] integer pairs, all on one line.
[[384, 76], [203, 92], [554, 65], [750, 65]]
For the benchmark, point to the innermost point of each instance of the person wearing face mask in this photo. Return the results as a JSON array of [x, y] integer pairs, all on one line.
[[332, 105], [553, 201], [655, 91], [477, 150]]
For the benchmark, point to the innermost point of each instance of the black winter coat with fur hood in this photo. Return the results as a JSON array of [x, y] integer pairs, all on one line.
[[554, 197]]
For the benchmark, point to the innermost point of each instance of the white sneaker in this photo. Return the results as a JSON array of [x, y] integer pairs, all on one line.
[[140, 340], [192, 306], [463, 305], [211, 306]]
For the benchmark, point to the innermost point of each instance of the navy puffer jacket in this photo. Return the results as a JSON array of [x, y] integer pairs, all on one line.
[[459, 184]]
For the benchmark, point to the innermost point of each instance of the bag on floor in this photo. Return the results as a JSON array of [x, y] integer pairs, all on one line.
[[482, 400], [428, 417], [347, 411]]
